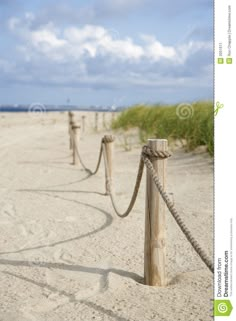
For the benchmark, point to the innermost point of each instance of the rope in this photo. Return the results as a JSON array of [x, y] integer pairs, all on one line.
[[147, 155], [108, 139], [81, 161], [136, 187], [176, 216], [154, 154]]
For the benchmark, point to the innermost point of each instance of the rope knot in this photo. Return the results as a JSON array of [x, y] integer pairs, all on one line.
[[152, 154], [108, 139]]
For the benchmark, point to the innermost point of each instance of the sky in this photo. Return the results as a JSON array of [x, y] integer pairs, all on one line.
[[105, 52]]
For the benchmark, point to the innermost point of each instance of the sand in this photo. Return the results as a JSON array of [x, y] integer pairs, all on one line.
[[65, 255]]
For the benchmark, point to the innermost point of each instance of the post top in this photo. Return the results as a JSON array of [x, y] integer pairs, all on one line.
[[155, 139]]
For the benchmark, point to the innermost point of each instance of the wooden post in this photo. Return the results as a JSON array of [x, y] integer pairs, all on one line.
[[104, 120], [71, 124], [75, 133], [109, 147], [83, 123], [155, 229], [71, 118], [96, 122]]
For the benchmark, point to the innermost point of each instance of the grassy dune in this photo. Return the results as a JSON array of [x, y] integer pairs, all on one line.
[[194, 124]]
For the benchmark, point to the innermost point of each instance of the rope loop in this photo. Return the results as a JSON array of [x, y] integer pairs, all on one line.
[[151, 154], [108, 139]]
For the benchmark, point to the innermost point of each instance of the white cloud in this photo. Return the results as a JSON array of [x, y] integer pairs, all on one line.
[[89, 40], [156, 51], [96, 56]]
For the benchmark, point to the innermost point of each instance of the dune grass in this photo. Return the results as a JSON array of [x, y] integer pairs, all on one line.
[[193, 124]]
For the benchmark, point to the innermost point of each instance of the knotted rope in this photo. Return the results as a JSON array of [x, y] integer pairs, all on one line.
[[176, 216], [147, 155], [108, 139], [154, 154]]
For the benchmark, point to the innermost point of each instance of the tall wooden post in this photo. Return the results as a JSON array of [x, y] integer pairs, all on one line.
[[75, 139], [96, 122], [155, 225], [109, 147], [104, 120], [71, 119], [83, 123], [71, 124]]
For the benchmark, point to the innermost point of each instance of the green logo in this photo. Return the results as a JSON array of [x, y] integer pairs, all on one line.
[[218, 107], [220, 61], [222, 308], [229, 61]]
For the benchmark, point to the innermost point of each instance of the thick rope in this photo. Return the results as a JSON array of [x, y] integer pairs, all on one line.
[[108, 139], [136, 188], [147, 154], [154, 154], [81, 161], [175, 214]]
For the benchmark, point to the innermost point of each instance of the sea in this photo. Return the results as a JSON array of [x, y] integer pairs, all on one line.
[[50, 108]]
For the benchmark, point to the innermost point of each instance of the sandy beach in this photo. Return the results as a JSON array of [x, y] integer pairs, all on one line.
[[65, 255]]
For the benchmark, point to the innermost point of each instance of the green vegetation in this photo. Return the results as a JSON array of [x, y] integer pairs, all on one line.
[[193, 124]]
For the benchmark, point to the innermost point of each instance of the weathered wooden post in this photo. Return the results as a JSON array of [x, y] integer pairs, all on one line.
[[155, 228], [96, 122], [71, 119], [104, 120], [108, 141], [71, 124], [75, 139], [83, 123]]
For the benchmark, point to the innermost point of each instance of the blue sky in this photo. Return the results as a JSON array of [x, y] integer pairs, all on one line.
[[106, 52]]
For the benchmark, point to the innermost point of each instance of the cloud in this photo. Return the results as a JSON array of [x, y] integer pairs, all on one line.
[[97, 11], [92, 56]]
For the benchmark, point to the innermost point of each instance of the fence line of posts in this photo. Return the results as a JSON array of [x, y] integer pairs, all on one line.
[[154, 156]]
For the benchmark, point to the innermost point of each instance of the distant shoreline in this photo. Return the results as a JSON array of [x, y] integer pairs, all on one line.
[[55, 109]]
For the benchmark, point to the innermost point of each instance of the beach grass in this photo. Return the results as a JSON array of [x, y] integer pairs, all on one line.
[[191, 123]]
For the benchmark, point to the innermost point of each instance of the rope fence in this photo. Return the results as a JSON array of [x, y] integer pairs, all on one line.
[[153, 156]]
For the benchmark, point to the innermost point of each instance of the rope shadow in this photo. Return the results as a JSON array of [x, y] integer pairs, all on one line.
[[73, 268], [61, 191], [72, 297], [41, 285], [41, 163], [57, 167], [109, 220]]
